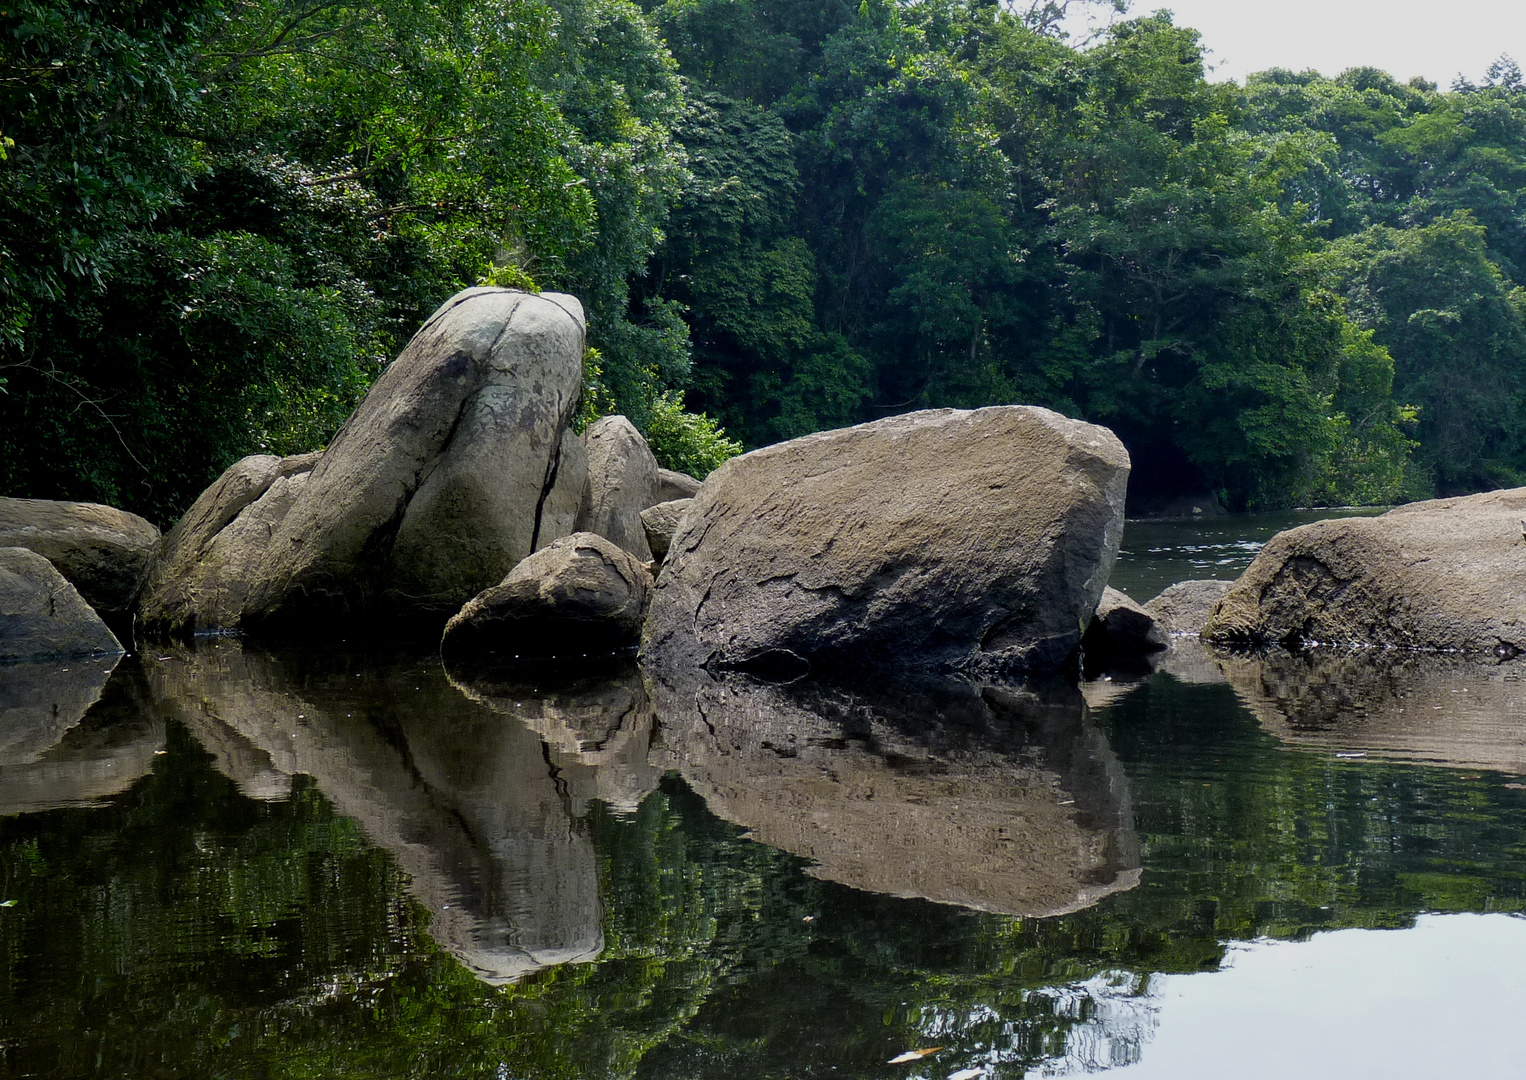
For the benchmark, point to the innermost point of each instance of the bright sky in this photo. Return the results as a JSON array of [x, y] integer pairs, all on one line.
[[1432, 38]]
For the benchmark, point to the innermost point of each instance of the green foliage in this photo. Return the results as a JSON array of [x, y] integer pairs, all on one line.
[[220, 222], [219, 225], [688, 442]]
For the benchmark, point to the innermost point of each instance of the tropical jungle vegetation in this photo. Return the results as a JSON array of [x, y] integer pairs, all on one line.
[[220, 218]]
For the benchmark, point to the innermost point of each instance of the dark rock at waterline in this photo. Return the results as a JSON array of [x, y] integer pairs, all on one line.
[[42, 615], [996, 799], [102, 551], [1446, 574], [970, 540], [582, 594], [431, 492], [1184, 608], [622, 478], [672, 485], [1122, 632], [661, 522]]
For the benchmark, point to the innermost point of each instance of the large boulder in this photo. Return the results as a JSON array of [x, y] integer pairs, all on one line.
[[1447, 574], [977, 541], [1183, 608], [622, 477], [42, 615], [579, 595], [103, 551], [661, 522], [431, 492]]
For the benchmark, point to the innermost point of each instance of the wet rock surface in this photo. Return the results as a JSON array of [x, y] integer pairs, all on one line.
[[978, 541], [102, 551], [42, 615], [994, 799], [1449, 574]]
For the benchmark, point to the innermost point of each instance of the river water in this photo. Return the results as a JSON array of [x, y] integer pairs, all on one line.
[[223, 862]]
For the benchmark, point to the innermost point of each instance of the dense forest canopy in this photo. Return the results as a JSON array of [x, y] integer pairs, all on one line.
[[220, 218]]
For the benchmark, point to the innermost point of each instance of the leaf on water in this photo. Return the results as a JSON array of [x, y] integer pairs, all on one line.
[[966, 1074], [914, 1055]]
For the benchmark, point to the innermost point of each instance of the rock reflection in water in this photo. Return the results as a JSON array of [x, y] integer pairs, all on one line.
[[1434, 708], [597, 726], [1002, 800], [463, 796], [56, 748]]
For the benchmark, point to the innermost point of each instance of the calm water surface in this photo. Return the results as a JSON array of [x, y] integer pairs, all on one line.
[[1161, 552], [222, 862]]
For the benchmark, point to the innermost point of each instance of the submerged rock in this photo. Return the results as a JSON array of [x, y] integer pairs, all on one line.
[[1447, 574], [580, 595], [622, 477], [431, 492], [993, 799], [102, 551], [661, 522], [1184, 608], [970, 540], [42, 615]]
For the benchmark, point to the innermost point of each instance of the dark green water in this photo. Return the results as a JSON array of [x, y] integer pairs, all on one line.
[[1160, 552], [221, 863]]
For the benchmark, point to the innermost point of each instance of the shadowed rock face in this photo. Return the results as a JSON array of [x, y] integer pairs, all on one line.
[[57, 748], [1000, 800], [1438, 709], [582, 594], [463, 797], [971, 540], [101, 550], [42, 615]]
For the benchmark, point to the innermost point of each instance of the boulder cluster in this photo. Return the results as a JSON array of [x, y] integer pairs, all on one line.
[[460, 495], [976, 542]]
